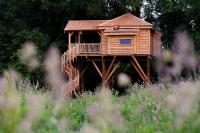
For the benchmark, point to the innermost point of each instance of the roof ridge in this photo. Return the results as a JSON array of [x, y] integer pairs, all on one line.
[[139, 19], [113, 19], [89, 20]]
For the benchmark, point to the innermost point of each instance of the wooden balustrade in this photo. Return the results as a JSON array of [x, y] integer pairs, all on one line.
[[86, 47]]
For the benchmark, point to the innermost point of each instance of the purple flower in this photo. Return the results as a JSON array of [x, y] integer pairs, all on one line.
[[1, 85]]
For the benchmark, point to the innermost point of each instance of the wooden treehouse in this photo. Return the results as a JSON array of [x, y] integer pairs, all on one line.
[[98, 50]]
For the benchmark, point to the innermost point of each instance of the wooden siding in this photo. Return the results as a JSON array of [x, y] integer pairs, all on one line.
[[157, 44], [151, 40], [104, 43], [144, 40], [116, 48]]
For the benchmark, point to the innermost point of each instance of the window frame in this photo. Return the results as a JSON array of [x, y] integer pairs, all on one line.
[[126, 39]]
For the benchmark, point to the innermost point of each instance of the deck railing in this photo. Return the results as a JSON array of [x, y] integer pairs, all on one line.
[[86, 47], [76, 49]]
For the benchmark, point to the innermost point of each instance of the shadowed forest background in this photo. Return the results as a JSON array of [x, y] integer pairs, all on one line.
[[43, 21]]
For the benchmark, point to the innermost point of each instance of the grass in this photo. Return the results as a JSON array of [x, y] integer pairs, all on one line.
[[141, 111]]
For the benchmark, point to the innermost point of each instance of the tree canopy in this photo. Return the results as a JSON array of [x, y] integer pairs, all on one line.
[[43, 21]]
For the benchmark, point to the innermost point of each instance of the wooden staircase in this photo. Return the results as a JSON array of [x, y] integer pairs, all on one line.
[[70, 70]]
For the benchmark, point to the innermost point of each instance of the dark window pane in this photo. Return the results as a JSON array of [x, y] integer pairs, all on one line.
[[126, 41]]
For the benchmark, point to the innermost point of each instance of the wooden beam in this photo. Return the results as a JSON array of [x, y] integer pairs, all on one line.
[[139, 67], [122, 66], [72, 33], [113, 70], [82, 72], [103, 66], [69, 40], [148, 69], [99, 33], [66, 72], [71, 68], [79, 37], [103, 72], [95, 65], [138, 71], [109, 68], [66, 69]]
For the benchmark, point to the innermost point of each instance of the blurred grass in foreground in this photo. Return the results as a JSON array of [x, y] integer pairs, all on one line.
[[150, 109]]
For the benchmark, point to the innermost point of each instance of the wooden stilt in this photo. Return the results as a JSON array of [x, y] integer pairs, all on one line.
[[95, 65], [83, 71], [148, 69], [103, 72], [138, 71], [109, 68], [139, 68], [113, 70], [121, 67]]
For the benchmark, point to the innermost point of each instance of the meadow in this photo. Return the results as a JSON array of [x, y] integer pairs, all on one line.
[[160, 108]]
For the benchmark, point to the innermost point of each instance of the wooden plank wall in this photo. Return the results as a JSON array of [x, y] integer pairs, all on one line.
[[156, 44], [104, 44], [151, 40], [146, 42], [118, 49], [143, 46]]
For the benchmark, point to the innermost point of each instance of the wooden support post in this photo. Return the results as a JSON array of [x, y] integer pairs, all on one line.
[[139, 68], [79, 37], [109, 68], [69, 40], [96, 67], [138, 71], [83, 71], [99, 33], [103, 72], [148, 69], [113, 70], [121, 67], [81, 76]]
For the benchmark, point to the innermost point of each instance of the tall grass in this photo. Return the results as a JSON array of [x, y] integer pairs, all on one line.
[[144, 110], [165, 107]]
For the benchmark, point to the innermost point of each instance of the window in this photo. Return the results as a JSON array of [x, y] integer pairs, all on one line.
[[125, 41]]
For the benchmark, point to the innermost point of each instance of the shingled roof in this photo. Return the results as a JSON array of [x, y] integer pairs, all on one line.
[[124, 20], [83, 24]]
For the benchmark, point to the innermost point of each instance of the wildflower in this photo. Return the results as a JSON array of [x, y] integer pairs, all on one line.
[[53, 71], [28, 55], [1, 86], [123, 80]]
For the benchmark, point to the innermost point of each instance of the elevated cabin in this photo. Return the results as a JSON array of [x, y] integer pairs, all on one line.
[[106, 43]]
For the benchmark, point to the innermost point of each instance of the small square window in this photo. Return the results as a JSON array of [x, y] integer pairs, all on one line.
[[125, 41]]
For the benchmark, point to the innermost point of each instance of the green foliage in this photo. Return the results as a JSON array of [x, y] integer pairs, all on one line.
[[145, 114], [168, 16], [45, 122], [141, 111], [75, 113], [192, 122], [13, 111], [40, 40]]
